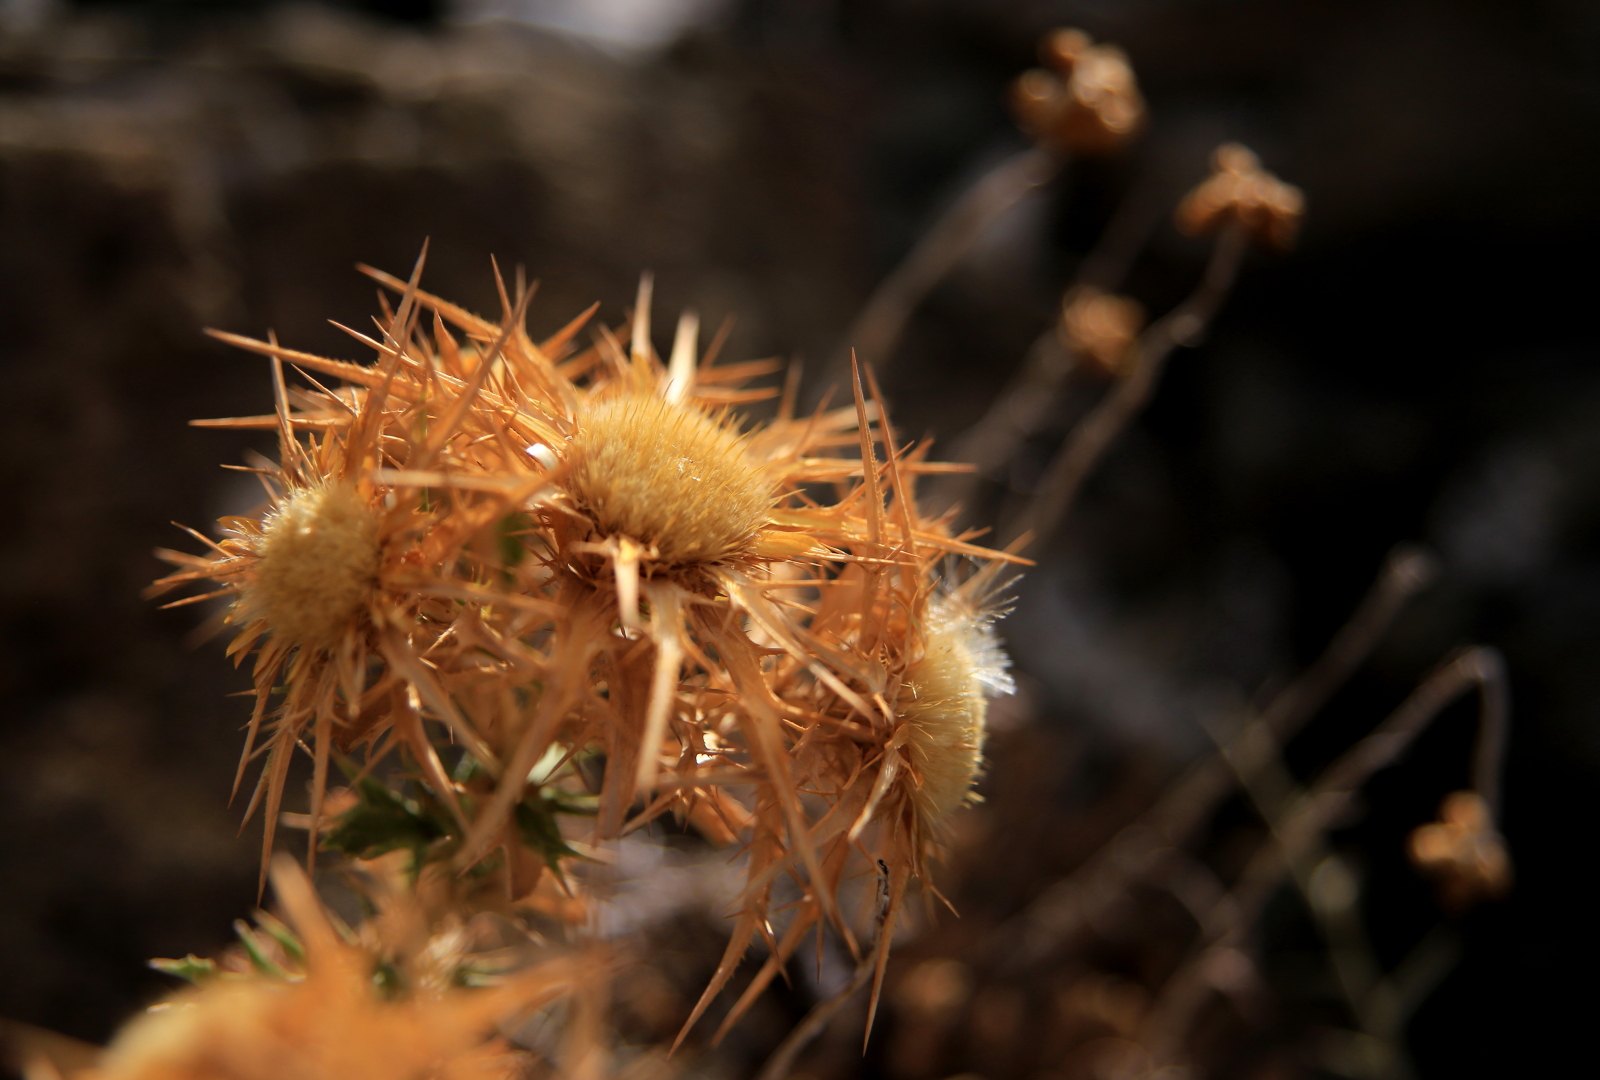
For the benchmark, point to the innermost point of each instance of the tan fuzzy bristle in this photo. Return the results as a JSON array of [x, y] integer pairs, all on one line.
[[943, 700], [670, 476], [318, 564]]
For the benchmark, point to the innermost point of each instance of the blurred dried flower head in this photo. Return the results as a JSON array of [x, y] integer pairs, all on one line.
[[1087, 101], [1463, 852], [934, 989], [1100, 327], [1239, 191], [336, 1021]]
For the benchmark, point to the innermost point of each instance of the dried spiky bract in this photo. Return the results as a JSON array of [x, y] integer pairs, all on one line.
[[888, 699], [1240, 191], [1088, 100]]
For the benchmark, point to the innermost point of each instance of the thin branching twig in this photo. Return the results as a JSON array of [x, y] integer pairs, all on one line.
[[1028, 400], [1143, 846], [876, 331], [1183, 325], [1297, 841]]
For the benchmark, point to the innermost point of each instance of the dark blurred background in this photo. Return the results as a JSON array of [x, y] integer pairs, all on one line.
[[1422, 367]]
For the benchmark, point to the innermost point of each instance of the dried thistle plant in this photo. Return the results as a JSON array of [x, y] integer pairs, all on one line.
[[489, 554]]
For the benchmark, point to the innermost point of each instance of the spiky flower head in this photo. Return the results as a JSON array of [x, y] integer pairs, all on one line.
[[944, 705], [317, 564], [669, 475]]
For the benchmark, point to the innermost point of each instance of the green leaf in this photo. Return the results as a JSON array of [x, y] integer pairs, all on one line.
[[192, 968], [258, 955], [570, 802], [512, 550], [383, 821], [387, 981], [536, 823], [285, 937]]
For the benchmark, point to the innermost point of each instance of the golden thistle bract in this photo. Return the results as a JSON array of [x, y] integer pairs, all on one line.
[[318, 563], [943, 700], [668, 475]]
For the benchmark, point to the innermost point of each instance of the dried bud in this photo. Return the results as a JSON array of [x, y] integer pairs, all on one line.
[[1463, 852], [1100, 327], [1238, 189], [1088, 102]]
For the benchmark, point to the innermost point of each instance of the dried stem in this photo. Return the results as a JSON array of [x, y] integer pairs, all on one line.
[[1145, 846], [1478, 667], [1323, 879], [1297, 838], [782, 1059], [877, 329], [1020, 410], [1027, 401], [1318, 809], [1494, 721], [1108, 263], [1088, 442], [1407, 571]]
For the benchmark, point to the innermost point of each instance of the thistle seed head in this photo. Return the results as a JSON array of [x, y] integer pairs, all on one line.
[[668, 475], [318, 564], [943, 697]]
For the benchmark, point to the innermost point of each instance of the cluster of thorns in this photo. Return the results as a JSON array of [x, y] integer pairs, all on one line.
[[496, 561]]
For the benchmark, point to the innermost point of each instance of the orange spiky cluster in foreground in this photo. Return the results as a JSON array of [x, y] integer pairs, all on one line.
[[492, 555], [331, 1021]]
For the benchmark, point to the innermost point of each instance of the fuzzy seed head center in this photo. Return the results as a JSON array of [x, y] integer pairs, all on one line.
[[318, 564], [943, 698], [668, 475]]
